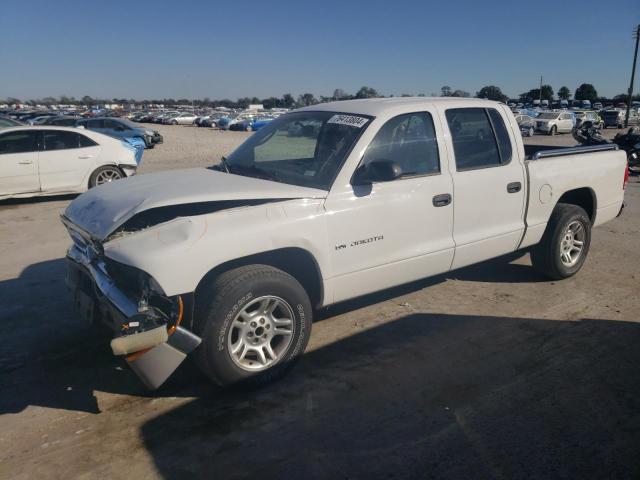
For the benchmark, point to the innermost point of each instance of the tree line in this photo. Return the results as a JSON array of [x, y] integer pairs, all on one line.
[[585, 91]]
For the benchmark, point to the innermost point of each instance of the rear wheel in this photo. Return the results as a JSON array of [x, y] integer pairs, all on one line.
[[565, 243], [174, 122], [531, 131], [255, 323], [105, 174]]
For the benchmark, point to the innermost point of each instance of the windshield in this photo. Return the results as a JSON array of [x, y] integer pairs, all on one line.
[[548, 116], [300, 148]]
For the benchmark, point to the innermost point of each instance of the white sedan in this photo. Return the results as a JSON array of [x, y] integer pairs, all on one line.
[[38, 161]]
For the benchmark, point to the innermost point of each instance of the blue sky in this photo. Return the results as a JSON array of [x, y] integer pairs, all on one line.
[[196, 49]]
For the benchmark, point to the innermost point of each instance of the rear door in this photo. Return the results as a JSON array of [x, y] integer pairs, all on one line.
[[66, 160], [19, 162], [488, 183]]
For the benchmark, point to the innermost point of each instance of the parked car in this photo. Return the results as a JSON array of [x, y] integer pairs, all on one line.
[[32, 118], [121, 128], [613, 118], [61, 121], [43, 160], [180, 119], [229, 263], [250, 124], [6, 122], [588, 116], [554, 122], [527, 125]]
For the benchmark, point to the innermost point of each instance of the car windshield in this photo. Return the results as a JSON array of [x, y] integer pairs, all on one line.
[[301, 148], [548, 116]]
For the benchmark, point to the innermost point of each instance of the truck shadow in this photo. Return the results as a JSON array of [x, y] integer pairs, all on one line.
[[50, 358], [427, 396], [424, 395]]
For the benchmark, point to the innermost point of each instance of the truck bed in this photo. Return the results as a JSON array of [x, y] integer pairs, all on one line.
[[534, 152]]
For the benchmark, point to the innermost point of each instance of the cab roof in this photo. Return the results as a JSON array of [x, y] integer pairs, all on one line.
[[378, 106]]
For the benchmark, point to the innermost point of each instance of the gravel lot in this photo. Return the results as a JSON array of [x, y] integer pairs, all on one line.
[[485, 372]]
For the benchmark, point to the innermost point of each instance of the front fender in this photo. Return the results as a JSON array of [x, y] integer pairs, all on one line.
[[179, 253]]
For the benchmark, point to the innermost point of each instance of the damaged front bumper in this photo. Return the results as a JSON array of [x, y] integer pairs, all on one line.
[[153, 354]]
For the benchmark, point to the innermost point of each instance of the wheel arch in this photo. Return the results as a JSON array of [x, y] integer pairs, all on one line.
[[583, 197], [296, 261]]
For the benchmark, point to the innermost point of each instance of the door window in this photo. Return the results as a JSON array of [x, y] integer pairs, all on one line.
[[408, 140], [62, 140], [95, 124], [479, 137], [18, 142]]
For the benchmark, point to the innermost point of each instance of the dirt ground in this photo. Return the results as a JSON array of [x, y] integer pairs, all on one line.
[[486, 372]]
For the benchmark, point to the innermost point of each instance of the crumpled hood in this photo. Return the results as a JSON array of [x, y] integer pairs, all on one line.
[[103, 209]]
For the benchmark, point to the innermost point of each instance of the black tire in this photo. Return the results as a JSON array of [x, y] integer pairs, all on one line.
[[553, 130], [546, 256], [98, 173], [221, 300]]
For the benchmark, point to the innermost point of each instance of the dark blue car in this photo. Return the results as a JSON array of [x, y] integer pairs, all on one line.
[[121, 128]]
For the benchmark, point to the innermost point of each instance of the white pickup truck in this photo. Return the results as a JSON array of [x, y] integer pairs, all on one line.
[[324, 204]]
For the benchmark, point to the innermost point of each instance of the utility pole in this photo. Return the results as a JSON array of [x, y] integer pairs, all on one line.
[[636, 35], [540, 105]]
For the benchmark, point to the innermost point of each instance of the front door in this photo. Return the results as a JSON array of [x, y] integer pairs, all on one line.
[[19, 162], [393, 232], [489, 185]]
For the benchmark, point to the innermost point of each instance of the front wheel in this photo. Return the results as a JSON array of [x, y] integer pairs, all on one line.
[[531, 131], [553, 130], [105, 174], [255, 323], [565, 243], [174, 122]]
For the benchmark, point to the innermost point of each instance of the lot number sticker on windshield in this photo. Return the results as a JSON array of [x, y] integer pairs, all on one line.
[[351, 120]]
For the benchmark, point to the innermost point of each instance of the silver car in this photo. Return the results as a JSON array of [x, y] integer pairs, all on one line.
[[181, 119]]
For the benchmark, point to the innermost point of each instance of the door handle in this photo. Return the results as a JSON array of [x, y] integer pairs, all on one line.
[[86, 156], [514, 187], [442, 200], [25, 162]]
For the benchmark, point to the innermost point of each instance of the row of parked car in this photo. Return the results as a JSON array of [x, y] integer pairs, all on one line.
[[224, 120], [113, 126], [564, 121]]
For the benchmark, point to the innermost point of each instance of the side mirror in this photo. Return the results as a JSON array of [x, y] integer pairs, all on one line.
[[381, 170]]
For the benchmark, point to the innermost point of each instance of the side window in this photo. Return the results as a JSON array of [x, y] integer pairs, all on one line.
[[474, 143], [408, 140], [18, 142], [95, 124], [500, 130], [115, 125], [60, 140], [86, 141]]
